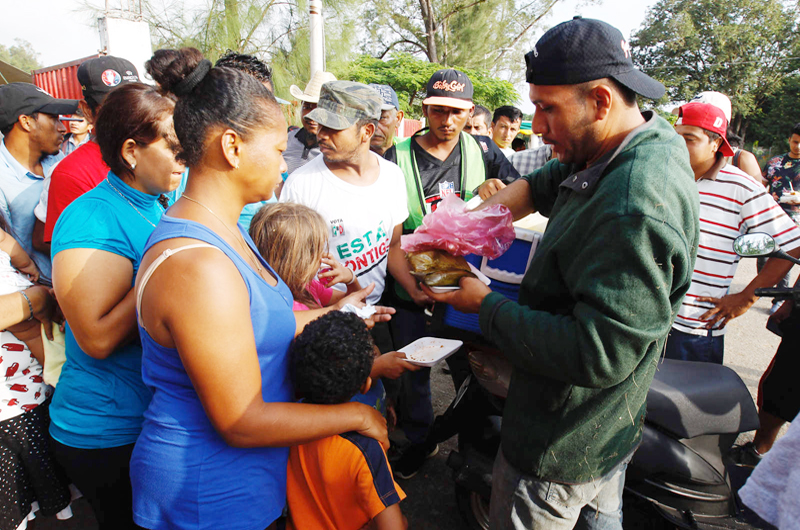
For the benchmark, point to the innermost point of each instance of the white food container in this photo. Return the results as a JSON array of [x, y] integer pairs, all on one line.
[[428, 351]]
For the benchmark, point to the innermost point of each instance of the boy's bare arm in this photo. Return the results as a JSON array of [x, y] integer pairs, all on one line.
[[389, 519]]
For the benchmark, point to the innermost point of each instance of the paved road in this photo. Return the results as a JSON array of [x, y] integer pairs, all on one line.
[[431, 503]]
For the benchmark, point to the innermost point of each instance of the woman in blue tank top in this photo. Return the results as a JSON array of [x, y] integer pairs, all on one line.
[[216, 322], [98, 242]]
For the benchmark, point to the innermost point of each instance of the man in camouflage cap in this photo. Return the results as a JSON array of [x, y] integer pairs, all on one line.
[[362, 198], [360, 195], [345, 105]]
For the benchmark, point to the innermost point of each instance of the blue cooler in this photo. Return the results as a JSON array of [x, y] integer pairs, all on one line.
[[506, 273]]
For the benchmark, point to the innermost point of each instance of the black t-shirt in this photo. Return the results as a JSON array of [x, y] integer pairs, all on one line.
[[442, 177]]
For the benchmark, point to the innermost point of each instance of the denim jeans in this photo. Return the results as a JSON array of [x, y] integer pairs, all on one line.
[[522, 502], [701, 348]]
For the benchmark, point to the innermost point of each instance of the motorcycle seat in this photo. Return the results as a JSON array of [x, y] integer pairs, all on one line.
[[692, 399]]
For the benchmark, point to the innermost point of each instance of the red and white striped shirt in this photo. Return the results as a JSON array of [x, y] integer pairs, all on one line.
[[731, 204]]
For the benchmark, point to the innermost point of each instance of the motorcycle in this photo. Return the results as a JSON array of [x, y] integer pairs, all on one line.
[[680, 476]]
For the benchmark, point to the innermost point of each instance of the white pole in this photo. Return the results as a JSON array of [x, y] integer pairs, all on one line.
[[317, 36]]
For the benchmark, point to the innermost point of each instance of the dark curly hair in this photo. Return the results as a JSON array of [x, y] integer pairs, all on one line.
[[332, 358], [249, 64], [224, 97]]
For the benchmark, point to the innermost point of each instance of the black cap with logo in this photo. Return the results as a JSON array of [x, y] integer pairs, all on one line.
[[100, 75], [584, 49], [449, 88], [24, 99]]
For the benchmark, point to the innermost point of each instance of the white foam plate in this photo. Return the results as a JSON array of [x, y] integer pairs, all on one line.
[[481, 276], [428, 351]]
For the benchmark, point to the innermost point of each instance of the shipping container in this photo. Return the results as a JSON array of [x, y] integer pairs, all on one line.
[[61, 80]]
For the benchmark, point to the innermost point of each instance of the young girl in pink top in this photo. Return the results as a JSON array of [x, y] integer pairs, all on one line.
[[294, 239]]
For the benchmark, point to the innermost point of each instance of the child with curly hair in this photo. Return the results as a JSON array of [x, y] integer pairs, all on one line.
[[341, 482]]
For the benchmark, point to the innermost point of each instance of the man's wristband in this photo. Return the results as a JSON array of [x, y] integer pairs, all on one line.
[[30, 305]]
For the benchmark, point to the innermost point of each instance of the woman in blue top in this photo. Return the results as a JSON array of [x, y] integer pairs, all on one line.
[[216, 322], [98, 243]]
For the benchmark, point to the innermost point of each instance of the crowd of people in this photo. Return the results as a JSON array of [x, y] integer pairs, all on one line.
[[232, 291]]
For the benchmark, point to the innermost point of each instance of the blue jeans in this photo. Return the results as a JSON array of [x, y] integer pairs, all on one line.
[[523, 502], [701, 348]]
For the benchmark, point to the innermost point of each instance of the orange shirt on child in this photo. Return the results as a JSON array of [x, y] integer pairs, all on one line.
[[339, 483]]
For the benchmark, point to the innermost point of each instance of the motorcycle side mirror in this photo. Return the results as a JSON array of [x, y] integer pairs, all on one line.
[[755, 245]]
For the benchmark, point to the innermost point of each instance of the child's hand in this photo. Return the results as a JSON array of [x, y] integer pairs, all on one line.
[[31, 270], [391, 365], [337, 273]]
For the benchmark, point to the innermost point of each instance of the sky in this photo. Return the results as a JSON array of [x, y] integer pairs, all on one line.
[[62, 30]]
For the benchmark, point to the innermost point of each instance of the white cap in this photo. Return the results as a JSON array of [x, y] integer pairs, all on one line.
[[311, 93], [718, 99]]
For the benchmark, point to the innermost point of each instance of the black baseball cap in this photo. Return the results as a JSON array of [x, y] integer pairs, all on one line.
[[100, 75], [584, 49], [24, 99], [449, 88]]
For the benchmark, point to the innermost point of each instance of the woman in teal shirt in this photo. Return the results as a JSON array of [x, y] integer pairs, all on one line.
[[96, 414]]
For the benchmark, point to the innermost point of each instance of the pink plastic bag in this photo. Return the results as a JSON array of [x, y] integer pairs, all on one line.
[[459, 231]]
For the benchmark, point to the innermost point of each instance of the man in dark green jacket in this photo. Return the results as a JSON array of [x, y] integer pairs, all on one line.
[[601, 293]]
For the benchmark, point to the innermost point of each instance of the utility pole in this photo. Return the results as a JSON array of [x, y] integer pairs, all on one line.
[[317, 52]]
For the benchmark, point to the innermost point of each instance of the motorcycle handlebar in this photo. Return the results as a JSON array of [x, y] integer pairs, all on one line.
[[778, 294]]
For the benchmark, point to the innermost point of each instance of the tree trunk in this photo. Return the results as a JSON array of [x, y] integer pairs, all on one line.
[[232, 24], [430, 29]]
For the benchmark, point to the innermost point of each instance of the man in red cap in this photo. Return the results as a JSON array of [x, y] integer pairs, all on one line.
[[731, 203]]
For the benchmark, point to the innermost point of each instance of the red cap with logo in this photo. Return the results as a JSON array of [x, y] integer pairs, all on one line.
[[708, 117]]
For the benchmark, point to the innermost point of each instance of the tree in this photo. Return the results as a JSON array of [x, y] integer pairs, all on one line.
[[771, 126], [743, 48], [409, 77], [21, 54], [478, 34], [276, 31]]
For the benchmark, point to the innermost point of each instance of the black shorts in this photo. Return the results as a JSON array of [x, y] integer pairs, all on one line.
[[779, 389]]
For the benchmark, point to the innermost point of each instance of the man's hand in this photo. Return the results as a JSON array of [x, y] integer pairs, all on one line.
[[783, 312], [420, 298], [490, 187], [44, 306], [726, 308], [467, 299], [382, 314]]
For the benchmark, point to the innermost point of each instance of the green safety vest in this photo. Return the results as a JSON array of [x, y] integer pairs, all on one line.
[[473, 174]]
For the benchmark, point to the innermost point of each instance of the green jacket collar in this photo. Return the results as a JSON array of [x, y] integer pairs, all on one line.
[[585, 181]]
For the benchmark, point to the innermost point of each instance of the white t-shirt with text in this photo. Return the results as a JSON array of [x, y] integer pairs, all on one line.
[[360, 219]]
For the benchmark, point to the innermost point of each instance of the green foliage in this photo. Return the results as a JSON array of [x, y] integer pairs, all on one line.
[[743, 48], [275, 31], [670, 117], [489, 35], [21, 54], [772, 124], [409, 76]]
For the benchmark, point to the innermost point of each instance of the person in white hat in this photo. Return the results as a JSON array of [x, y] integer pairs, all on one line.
[[302, 146], [744, 160]]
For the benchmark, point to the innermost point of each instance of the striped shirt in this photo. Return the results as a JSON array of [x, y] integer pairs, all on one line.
[[732, 203]]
